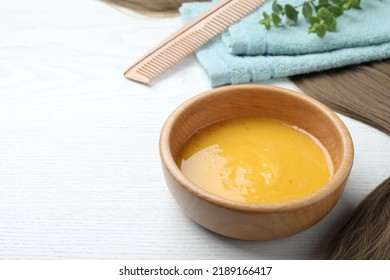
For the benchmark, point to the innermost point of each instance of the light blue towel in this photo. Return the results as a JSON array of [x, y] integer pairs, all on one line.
[[224, 67], [356, 28]]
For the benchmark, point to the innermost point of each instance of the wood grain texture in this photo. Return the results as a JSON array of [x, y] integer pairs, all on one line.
[[248, 221], [79, 160]]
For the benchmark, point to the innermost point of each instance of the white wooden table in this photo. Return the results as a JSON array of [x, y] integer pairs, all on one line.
[[80, 173]]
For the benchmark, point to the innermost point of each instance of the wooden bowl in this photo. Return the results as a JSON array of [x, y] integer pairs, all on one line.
[[255, 221]]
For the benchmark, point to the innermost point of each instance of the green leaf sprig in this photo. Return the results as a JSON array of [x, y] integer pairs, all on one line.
[[320, 14]]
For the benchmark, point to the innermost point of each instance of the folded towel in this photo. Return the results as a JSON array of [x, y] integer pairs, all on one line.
[[356, 28], [224, 68]]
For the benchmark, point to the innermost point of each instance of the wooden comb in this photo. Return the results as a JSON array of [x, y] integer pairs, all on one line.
[[189, 38]]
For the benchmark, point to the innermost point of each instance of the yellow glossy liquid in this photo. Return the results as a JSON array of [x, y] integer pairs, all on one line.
[[255, 160]]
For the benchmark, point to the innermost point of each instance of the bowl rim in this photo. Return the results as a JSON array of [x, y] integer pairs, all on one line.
[[332, 185]]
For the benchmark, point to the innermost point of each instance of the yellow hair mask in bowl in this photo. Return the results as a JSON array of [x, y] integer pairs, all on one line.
[[255, 160], [255, 214]]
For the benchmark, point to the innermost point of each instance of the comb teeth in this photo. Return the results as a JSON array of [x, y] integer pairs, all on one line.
[[189, 38]]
